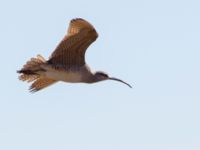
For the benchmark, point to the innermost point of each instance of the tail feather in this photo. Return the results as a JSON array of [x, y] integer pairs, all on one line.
[[28, 78], [30, 69], [41, 83], [27, 72]]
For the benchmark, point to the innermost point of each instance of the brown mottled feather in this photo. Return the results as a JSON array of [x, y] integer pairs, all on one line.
[[76, 25], [28, 78], [30, 66], [41, 83], [71, 50]]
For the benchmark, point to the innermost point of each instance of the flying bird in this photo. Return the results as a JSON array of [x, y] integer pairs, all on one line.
[[67, 62]]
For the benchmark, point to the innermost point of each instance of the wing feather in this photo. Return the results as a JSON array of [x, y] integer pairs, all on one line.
[[71, 50]]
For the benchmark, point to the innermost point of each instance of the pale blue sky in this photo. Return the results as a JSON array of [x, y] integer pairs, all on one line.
[[152, 44]]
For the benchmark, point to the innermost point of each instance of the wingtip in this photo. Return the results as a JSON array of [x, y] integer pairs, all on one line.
[[75, 19]]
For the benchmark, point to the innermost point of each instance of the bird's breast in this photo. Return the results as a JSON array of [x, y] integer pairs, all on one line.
[[66, 76]]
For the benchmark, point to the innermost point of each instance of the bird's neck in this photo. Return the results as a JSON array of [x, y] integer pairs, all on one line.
[[89, 76]]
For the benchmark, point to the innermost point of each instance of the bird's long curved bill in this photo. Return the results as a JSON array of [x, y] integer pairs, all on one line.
[[116, 79]]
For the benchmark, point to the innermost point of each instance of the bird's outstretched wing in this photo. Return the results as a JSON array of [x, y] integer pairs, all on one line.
[[71, 50]]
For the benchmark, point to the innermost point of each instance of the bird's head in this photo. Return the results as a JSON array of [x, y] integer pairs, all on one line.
[[101, 76]]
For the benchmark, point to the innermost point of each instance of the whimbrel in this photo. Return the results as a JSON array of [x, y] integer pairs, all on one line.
[[67, 62]]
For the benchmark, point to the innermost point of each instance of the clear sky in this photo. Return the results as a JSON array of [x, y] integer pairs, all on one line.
[[152, 44]]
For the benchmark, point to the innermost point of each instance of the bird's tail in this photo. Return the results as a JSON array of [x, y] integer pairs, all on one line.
[[30, 70]]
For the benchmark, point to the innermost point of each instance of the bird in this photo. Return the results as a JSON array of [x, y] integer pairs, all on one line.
[[67, 62]]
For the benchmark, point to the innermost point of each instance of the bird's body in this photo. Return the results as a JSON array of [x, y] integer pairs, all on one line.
[[65, 76], [67, 62], [73, 75]]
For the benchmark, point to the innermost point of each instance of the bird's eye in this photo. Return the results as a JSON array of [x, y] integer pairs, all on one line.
[[103, 74]]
